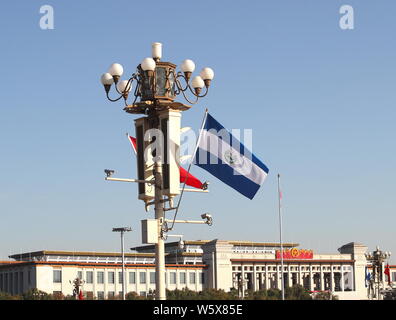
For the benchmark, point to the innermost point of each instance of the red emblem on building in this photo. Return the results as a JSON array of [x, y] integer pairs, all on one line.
[[294, 254]]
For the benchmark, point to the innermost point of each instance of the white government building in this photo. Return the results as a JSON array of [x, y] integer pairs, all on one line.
[[197, 265]]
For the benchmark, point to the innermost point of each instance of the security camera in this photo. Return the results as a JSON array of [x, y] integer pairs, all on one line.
[[205, 185], [109, 173], [208, 218]]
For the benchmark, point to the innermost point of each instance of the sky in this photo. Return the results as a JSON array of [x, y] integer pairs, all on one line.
[[320, 101]]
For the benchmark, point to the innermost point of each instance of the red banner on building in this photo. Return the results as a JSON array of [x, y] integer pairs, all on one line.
[[295, 254]]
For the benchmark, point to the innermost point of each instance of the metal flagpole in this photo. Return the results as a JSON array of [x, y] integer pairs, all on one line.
[[123, 265], [280, 237]]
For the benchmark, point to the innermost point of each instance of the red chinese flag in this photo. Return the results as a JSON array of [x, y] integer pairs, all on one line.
[[80, 296], [387, 272], [191, 180]]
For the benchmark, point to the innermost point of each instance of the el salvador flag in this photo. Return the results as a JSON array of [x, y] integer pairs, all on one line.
[[222, 155]]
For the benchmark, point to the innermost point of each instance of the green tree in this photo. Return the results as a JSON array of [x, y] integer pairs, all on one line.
[[7, 296], [297, 292], [213, 294], [35, 294], [134, 296], [324, 295]]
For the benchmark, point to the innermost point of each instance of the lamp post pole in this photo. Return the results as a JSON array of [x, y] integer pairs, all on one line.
[[122, 231], [377, 259], [160, 245], [157, 84]]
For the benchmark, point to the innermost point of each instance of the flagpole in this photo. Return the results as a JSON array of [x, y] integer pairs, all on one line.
[[280, 238], [189, 166]]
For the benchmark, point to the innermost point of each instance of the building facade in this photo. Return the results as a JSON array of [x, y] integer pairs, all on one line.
[[196, 265]]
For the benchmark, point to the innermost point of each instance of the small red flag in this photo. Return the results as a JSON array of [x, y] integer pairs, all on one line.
[[80, 296], [387, 272]]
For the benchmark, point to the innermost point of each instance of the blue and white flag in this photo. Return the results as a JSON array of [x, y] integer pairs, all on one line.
[[367, 277], [226, 158]]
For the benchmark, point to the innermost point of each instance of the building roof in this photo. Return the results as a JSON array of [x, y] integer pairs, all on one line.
[[233, 242], [75, 253], [97, 265]]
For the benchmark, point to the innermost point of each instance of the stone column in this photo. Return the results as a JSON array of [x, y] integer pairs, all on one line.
[[300, 275], [310, 278], [278, 280], [220, 268], [321, 279], [332, 279], [267, 282], [342, 278]]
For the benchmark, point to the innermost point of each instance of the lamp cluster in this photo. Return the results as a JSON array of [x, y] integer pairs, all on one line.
[[158, 82], [377, 255]]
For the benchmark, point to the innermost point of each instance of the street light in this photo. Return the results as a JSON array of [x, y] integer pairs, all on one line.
[[154, 87], [122, 231], [157, 83], [377, 259]]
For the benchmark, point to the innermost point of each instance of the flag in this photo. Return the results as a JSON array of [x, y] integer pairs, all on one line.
[[387, 273], [222, 155], [80, 295], [367, 277], [184, 175]]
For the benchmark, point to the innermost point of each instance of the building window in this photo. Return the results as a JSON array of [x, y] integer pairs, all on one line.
[[132, 277], [57, 294], [21, 282], [100, 277], [182, 277], [88, 294], [202, 278], [143, 293], [110, 295], [120, 277], [172, 277], [152, 277], [142, 277], [110, 277], [89, 276], [100, 295], [192, 277], [57, 276], [393, 276], [80, 275]]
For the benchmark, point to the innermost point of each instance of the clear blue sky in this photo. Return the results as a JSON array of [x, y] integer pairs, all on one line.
[[321, 102]]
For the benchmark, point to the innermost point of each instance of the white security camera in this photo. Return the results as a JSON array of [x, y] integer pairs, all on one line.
[[208, 218], [109, 172]]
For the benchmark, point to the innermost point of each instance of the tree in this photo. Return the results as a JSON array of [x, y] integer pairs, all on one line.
[[297, 292], [7, 296], [324, 295], [134, 296], [35, 294]]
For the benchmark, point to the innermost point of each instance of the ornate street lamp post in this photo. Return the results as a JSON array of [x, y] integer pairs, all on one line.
[[154, 86], [377, 259]]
